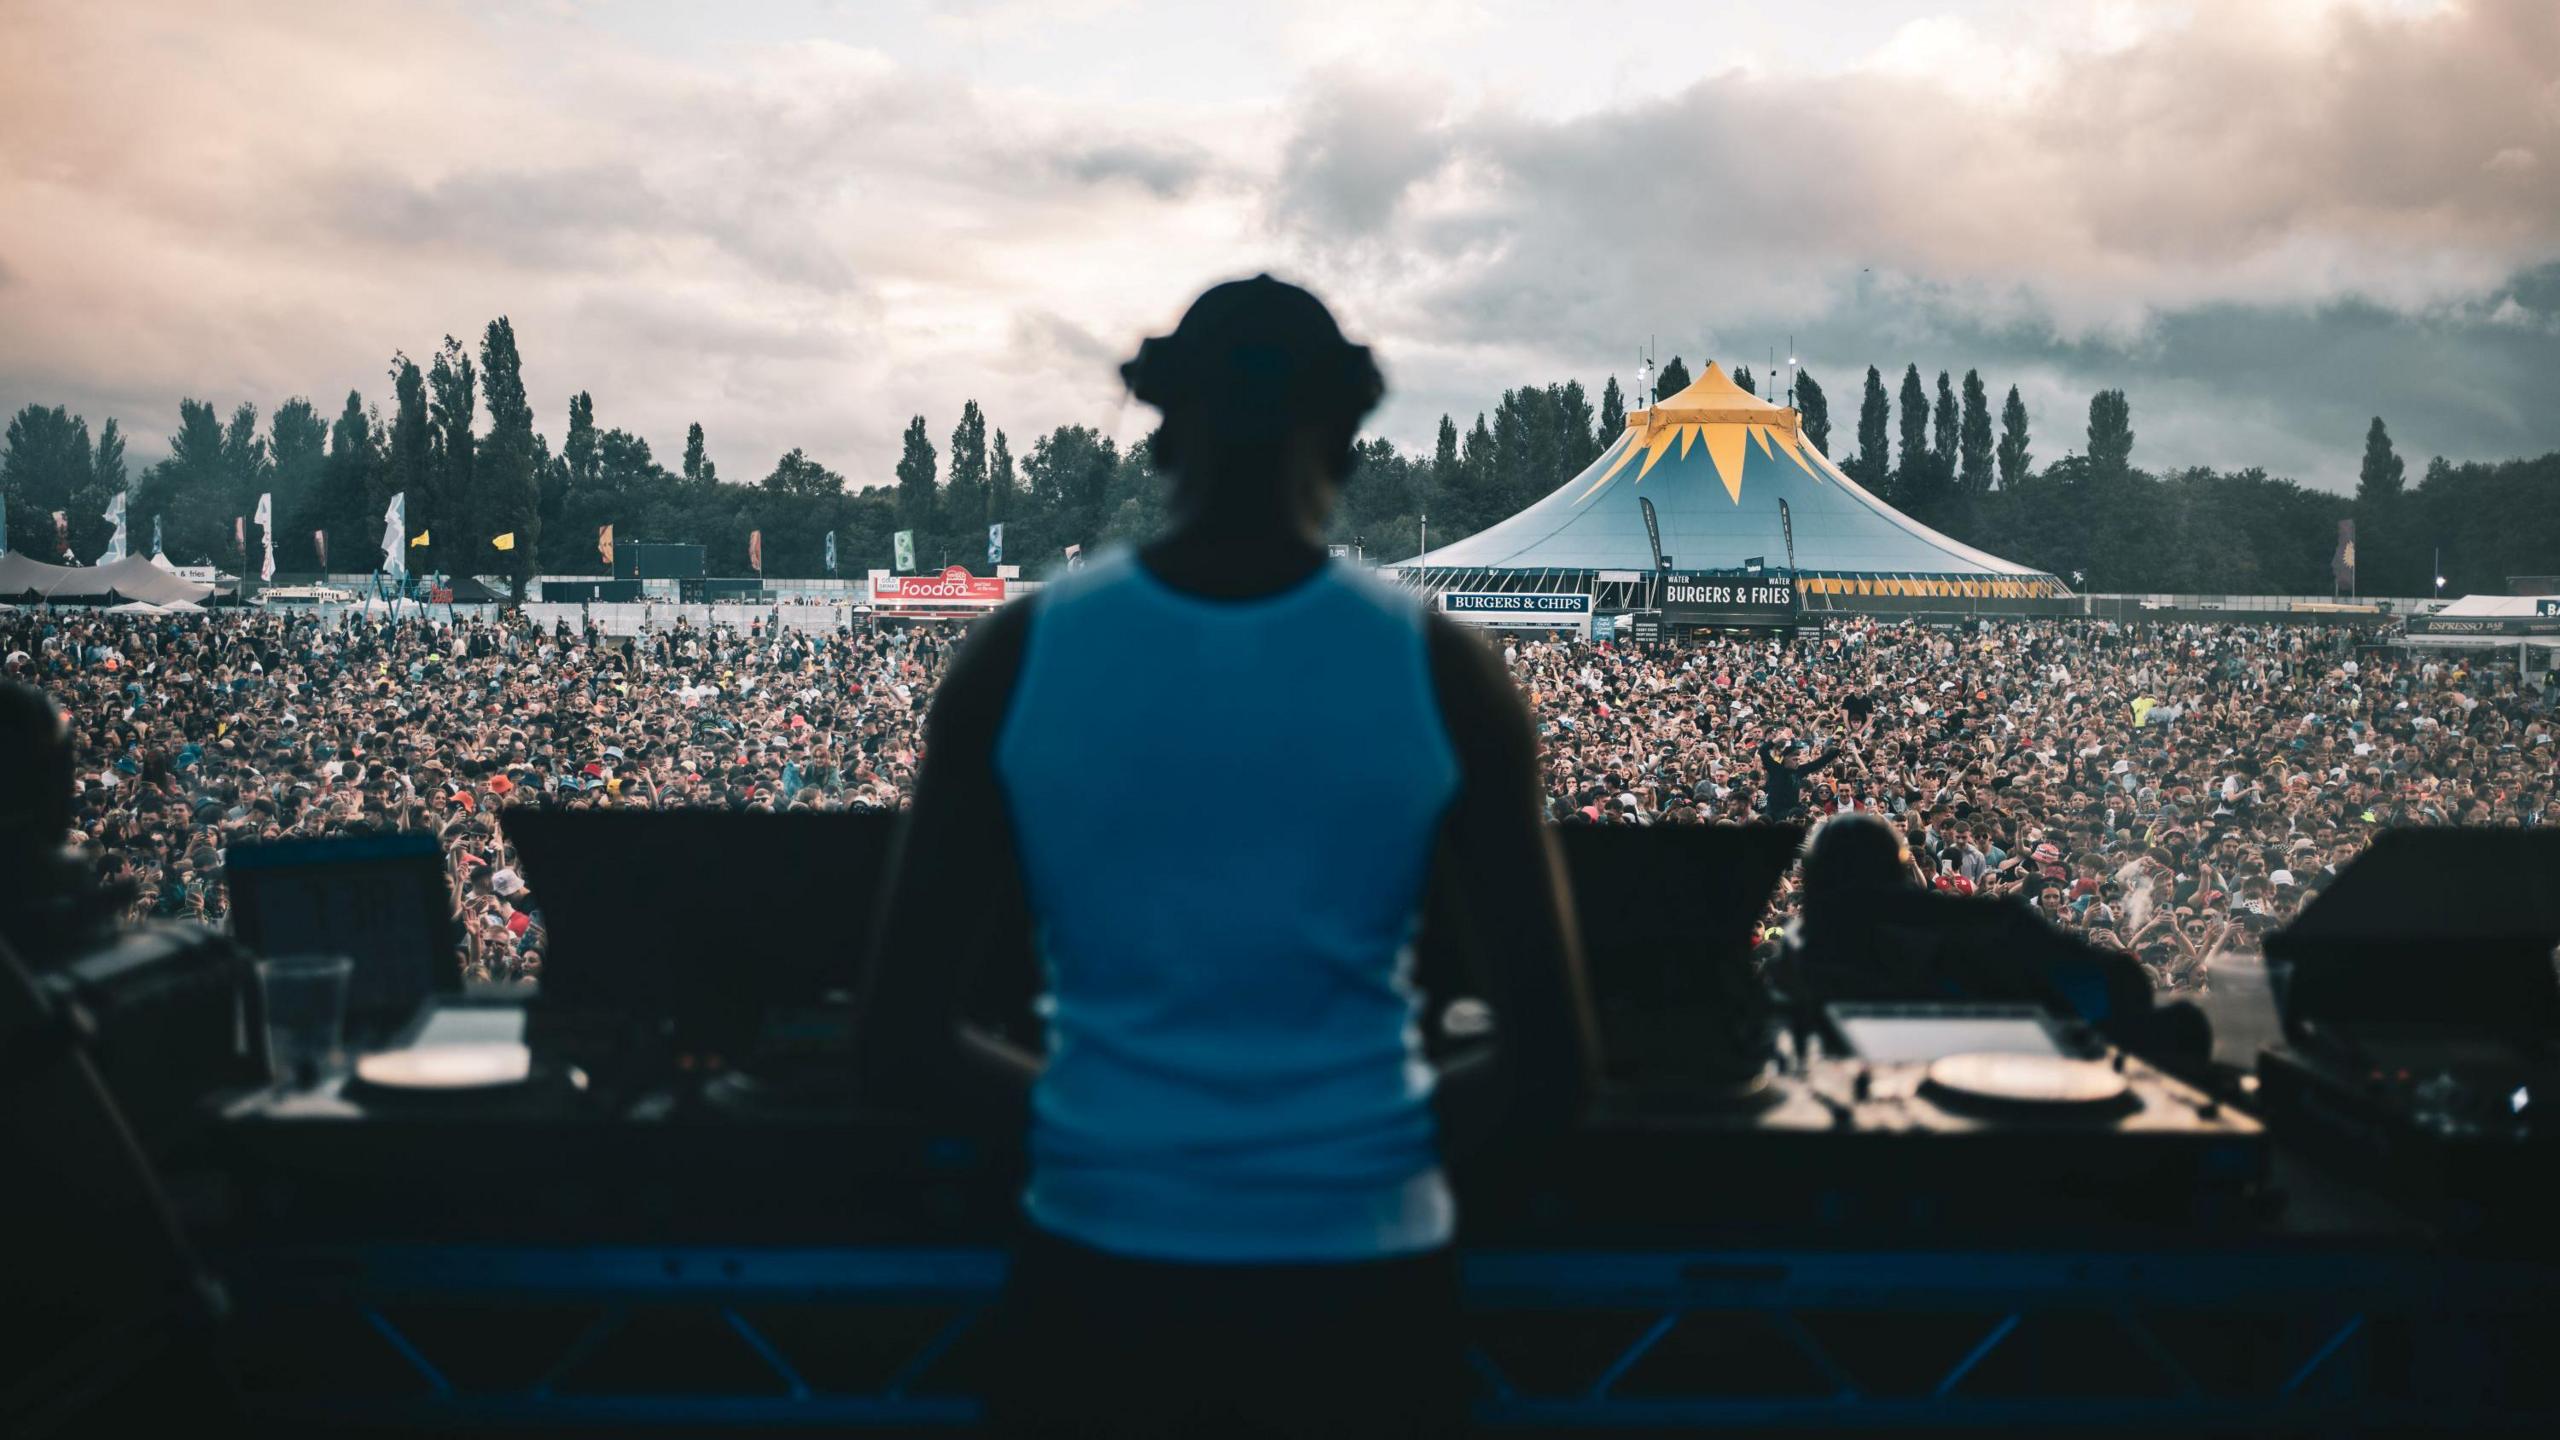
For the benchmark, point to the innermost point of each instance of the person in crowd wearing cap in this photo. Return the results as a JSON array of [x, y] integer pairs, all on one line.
[[1785, 779], [1239, 1215]]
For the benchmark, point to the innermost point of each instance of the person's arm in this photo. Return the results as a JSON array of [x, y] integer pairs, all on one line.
[[1539, 1069], [953, 864]]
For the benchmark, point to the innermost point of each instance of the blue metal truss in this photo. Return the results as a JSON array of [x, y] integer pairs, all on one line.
[[2023, 1341]]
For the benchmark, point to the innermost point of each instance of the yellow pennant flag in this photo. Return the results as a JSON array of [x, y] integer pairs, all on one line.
[[506, 541], [421, 540]]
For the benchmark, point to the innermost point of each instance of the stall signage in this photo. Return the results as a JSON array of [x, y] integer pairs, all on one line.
[[1692, 599], [954, 585]]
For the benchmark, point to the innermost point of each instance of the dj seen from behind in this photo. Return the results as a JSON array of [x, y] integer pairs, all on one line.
[[1239, 1219]]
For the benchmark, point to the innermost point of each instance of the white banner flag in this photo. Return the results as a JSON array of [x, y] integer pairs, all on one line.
[[266, 518], [395, 536], [115, 543], [903, 545]]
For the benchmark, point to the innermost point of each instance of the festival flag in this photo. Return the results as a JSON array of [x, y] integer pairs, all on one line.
[[604, 544], [320, 546], [4, 524], [995, 544], [503, 542], [831, 552], [419, 539], [156, 551], [395, 528], [266, 518], [61, 534], [2342, 564], [903, 547], [116, 542], [755, 551], [239, 531], [1075, 557]]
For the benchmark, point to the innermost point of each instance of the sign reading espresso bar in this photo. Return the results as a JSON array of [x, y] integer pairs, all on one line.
[[2504, 626], [1728, 600]]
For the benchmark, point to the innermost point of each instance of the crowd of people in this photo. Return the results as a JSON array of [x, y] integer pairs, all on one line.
[[2174, 791], [196, 732]]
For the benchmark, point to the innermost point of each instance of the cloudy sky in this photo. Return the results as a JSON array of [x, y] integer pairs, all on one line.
[[801, 222]]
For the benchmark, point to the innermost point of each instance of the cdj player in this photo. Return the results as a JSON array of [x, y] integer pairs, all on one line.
[[2422, 1040], [2462, 1126], [1943, 1118]]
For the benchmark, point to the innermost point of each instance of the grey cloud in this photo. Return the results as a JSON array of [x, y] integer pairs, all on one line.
[[568, 219], [553, 210], [2287, 388], [2133, 183], [1167, 172], [1050, 341], [649, 324], [2279, 239], [1360, 144]]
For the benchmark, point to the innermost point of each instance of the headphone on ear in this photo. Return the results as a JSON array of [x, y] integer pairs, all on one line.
[[1165, 373], [1254, 388]]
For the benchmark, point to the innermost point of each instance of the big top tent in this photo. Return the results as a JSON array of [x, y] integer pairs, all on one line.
[[1715, 460]]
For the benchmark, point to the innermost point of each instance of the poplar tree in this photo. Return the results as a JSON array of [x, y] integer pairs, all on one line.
[[2015, 458], [1870, 467], [915, 480], [506, 492], [1911, 474], [1973, 472], [2110, 435], [1813, 408], [1944, 427]]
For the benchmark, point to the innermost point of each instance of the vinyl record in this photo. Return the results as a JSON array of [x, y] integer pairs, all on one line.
[[2036, 1081], [447, 1067]]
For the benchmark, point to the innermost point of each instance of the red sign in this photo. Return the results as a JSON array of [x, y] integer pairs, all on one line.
[[954, 586]]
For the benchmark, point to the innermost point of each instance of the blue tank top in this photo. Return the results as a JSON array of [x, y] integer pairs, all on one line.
[[1225, 812]]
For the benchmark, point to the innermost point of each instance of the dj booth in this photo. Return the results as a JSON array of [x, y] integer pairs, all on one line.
[[542, 1266], [1956, 1216]]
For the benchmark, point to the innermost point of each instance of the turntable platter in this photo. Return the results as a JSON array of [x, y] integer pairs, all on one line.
[[2043, 1082]]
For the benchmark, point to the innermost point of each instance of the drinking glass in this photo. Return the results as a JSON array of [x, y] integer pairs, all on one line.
[[306, 997]]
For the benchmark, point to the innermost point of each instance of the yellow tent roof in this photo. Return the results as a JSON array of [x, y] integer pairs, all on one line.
[[1713, 399]]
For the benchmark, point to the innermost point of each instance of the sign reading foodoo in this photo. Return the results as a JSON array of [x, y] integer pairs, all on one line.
[[1693, 599], [954, 586]]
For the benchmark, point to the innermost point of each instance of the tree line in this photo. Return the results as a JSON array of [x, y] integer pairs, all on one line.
[[459, 442]]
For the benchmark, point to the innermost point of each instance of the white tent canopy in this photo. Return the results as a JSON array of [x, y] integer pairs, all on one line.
[[132, 578]]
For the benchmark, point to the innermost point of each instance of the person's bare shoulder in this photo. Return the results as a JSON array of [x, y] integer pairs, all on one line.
[[978, 686], [1486, 715]]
